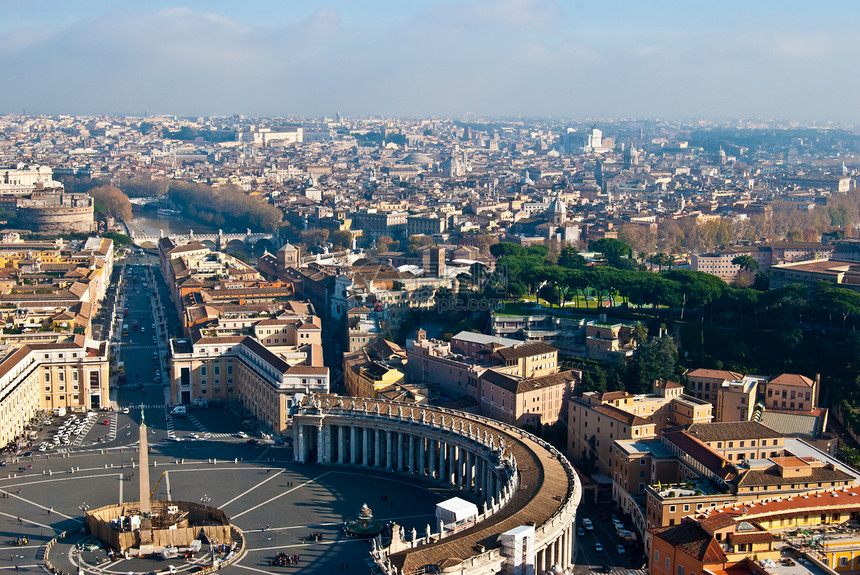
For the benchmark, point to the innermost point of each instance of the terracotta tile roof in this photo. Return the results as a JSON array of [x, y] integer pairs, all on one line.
[[753, 537], [525, 350], [692, 540], [699, 451], [619, 415], [771, 476], [715, 374], [792, 379], [614, 395], [516, 385], [732, 431]]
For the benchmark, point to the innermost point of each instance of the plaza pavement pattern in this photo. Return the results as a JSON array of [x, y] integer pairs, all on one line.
[[275, 502]]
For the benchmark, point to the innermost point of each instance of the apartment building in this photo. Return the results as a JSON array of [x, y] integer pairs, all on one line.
[[35, 377], [736, 395], [572, 335], [791, 391], [267, 382], [597, 420], [707, 479], [533, 401], [374, 369]]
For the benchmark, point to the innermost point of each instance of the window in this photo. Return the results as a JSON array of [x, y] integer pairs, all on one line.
[[217, 370], [680, 570], [47, 377], [202, 370], [74, 376], [61, 376]]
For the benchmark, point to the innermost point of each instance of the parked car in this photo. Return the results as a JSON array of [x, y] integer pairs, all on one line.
[[598, 547]]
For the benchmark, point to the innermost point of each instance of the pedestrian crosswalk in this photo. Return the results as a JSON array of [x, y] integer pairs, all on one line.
[[204, 433], [131, 346], [147, 406]]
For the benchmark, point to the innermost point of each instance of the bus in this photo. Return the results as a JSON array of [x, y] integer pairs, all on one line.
[[125, 330]]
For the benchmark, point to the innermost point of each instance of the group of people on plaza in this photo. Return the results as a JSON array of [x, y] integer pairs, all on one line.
[[285, 559]]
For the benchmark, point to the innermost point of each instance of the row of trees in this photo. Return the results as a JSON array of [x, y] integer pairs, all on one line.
[[225, 205], [787, 220], [110, 200]]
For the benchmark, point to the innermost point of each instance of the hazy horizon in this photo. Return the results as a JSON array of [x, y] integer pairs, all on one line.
[[491, 58]]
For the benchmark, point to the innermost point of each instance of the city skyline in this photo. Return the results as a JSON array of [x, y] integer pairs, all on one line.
[[488, 58]]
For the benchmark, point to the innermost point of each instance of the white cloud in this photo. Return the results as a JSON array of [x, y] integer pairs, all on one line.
[[530, 57]]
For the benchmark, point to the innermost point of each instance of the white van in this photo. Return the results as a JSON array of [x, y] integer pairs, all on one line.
[[179, 410]]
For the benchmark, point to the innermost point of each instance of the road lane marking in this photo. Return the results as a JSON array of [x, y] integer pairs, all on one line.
[[300, 485], [251, 489]]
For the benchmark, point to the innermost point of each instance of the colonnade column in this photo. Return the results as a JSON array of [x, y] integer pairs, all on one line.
[[421, 451], [299, 444], [353, 445], [411, 453], [568, 544], [321, 443], [453, 464], [431, 447], [377, 448], [388, 449], [470, 462], [399, 451], [365, 446], [443, 460], [341, 444]]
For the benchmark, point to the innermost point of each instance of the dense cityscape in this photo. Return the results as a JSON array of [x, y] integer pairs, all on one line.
[[473, 287], [600, 344]]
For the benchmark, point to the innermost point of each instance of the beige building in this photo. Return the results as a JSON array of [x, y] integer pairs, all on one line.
[[267, 382], [736, 399], [534, 401], [792, 391], [72, 375], [596, 420]]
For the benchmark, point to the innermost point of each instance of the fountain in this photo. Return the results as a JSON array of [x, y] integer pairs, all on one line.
[[364, 527]]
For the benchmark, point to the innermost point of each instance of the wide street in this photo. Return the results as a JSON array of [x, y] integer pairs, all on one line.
[[201, 457], [275, 502]]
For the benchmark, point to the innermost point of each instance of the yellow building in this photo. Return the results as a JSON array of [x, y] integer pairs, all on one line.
[[72, 375]]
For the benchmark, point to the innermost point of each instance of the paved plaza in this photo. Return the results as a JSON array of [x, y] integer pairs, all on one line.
[[275, 502]]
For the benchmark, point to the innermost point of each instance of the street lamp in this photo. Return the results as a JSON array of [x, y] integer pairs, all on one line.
[[84, 507], [205, 499]]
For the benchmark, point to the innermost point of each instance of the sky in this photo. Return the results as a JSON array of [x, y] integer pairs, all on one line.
[[723, 59]]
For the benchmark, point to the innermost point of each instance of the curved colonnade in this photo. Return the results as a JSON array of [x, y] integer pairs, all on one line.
[[520, 479]]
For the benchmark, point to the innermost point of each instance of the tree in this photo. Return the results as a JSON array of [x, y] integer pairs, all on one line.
[[640, 332], [341, 238], [746, 262], [385, 243], [503, 249], [115, 202], [416, 242], [652, 360], [612, 249], [570, 258]]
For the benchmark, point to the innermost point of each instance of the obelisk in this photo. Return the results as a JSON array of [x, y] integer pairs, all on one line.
[[146, 547]]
